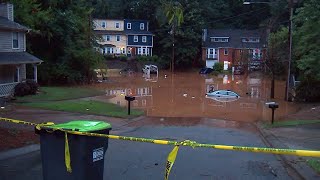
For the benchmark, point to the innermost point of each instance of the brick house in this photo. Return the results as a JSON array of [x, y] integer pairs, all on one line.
[[233, 47]]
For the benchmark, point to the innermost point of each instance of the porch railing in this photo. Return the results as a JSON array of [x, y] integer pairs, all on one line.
[[7, 89]]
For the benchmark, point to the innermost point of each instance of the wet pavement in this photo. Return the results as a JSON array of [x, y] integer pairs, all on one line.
[[137, 161], [131, 160], [183, 95]]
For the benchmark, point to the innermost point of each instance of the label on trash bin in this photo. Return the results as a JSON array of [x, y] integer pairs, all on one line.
[[97, 154]]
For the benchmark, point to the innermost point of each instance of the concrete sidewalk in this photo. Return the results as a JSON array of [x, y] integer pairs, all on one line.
[[305, 137]]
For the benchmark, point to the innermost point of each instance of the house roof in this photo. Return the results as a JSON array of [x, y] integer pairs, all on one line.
[[107, 32], [11, 25], [129, 32], [235, 38], [136, 20], [18, 58]]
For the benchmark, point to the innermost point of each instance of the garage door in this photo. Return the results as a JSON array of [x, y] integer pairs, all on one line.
[[210, 63]]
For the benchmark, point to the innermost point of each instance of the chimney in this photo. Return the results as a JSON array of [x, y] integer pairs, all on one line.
[[6, 10], [204, 35]]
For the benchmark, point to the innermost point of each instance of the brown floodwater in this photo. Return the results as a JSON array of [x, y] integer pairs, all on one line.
[[183, 95]]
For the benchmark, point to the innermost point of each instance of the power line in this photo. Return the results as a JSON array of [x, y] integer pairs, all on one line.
[[223, 19]]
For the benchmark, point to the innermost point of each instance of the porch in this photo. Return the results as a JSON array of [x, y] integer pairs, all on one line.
[[7, 89], [13, 70]]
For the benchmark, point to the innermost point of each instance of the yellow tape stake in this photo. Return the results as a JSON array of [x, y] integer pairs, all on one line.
[[67, 154], [170, 161]]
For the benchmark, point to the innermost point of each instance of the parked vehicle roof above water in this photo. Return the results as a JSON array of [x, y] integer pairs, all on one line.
[[205, 70], [223, 93]]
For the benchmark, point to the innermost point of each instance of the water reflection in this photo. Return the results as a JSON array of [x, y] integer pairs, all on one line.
[[183, 95]]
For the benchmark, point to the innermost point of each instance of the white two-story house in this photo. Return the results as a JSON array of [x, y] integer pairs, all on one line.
[[13, 55]]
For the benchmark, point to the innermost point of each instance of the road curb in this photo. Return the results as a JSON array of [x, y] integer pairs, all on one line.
[[295, 165], [19, 151]]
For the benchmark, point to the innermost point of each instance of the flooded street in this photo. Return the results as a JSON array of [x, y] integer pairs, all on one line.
[[183, 95]]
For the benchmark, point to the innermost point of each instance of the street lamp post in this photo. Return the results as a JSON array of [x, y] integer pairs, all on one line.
[[290, 5]]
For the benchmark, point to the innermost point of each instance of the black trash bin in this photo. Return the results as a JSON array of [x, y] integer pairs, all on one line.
[[86, 153]]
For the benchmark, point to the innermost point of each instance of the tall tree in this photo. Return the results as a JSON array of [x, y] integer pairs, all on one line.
[[62, 37], [307, 49], [173, 11]]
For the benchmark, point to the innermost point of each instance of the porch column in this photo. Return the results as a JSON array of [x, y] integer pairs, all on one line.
[[151, 51], [18, 73], [35, 73]]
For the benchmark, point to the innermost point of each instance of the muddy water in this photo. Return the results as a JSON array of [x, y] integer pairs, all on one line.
[[183, 95]]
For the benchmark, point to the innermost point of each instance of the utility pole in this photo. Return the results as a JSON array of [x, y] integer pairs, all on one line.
[[290, 3], [172, 61]]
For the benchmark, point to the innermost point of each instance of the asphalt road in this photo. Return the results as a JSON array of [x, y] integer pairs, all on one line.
[[139, 161], [144, 161]]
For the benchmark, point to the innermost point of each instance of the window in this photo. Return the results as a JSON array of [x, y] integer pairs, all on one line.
[[254, 40], [129, 50], [141, 26], [103, 24], [15, 40], [135, 38], [139, 51], [129, 26], [109, 50], [117, 25], [118, 38], [250, 39], [215, 51], [108, 37], [144, 38], [123, 50], [211, 53], [226, 52], [219, 39]]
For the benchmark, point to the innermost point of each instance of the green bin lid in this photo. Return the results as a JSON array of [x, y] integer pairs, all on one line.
[[83, 125]]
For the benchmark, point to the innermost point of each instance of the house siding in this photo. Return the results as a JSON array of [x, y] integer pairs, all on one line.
[[113, 40], [6, 42], [110, 24], [139, 43], [135, 25]]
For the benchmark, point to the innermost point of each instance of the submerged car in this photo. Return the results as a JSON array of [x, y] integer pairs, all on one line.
[[223, 94], [126, 71], [150, 69], [205, 71]]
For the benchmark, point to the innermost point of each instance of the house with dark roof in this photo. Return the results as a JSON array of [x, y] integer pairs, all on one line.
[[139, 38], [13, 55], [233, 47]]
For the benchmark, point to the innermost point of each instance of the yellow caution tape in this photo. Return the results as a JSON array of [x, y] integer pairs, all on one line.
[[67, 158], [173, 154], [170, 161]]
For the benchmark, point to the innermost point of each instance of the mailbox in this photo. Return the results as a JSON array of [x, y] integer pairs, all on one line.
[[129, 99], [273, 106]]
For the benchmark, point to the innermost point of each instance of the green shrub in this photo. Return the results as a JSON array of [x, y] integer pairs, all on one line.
[[34, 87], [122, 58], [26, 88], [109, 57], [218, 67]]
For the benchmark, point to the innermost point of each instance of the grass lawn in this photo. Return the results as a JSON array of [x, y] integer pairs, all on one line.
[[86, 107], [60, 93], [315, 164], [291, 123]]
